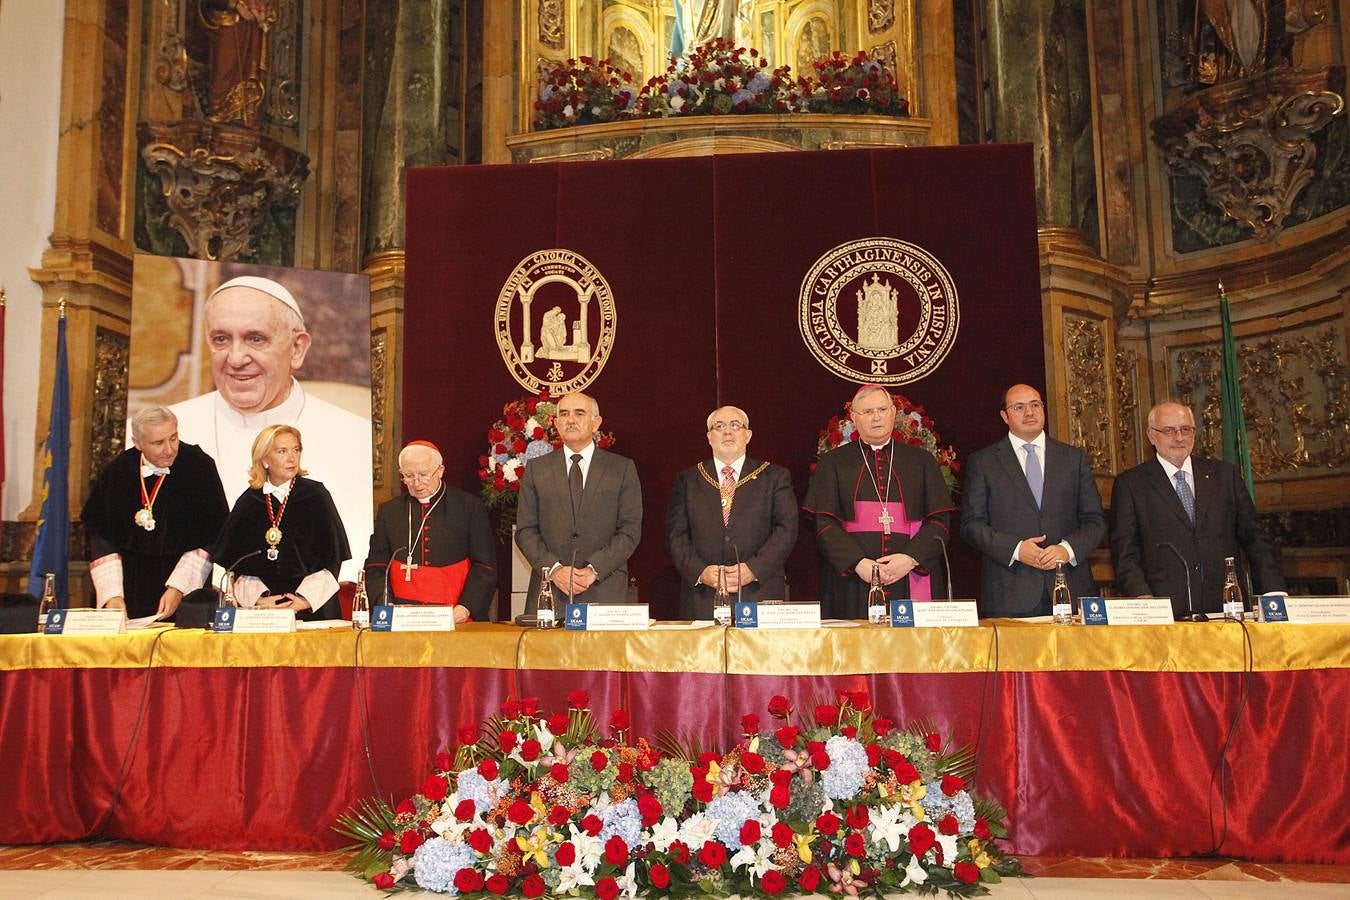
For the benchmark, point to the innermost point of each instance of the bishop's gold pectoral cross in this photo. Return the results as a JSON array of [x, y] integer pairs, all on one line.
[[885, 519]]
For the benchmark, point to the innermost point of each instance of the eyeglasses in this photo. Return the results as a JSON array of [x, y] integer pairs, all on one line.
[[414, 477], [1173, 430], [723, 426], [1019, 408]]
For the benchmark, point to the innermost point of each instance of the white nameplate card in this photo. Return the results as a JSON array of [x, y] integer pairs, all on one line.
[[777, 615], [1305, 610], [413, 618], [248, 620], [607, 617], [934, 614], [81, 622], [1127, 611]]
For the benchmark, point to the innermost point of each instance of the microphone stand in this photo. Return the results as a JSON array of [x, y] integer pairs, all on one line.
[[1191, 615], [227, 585], [388, 581], [946, 568]]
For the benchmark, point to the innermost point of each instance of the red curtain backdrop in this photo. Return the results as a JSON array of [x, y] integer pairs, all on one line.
[[706, 257]]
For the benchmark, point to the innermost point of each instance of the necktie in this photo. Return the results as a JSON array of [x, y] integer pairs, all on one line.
[[574, 482], [1035, 478], [1185, 494], [728, 491]]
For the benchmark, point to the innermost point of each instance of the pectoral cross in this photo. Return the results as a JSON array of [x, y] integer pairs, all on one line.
[[408, 569], [885, 519]]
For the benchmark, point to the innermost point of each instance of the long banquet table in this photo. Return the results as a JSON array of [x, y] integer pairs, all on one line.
[[1098, 741]]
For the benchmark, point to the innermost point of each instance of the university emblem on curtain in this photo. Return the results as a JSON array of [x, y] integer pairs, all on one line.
[[555, 321], [878, 310]]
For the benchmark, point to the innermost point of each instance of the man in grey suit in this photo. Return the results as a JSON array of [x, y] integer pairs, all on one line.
[[1030, 503], [580, 512]]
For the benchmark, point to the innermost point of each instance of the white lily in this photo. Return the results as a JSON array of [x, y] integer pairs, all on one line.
[[573, 877], [757, 858], [626, 882], [886, 827], [914, 872], [664, 833], [589, 849], [697, 830], [948, 844]]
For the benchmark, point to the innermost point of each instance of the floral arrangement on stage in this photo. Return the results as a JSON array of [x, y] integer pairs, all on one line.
[[716, 78], [912, 425], [525, 431], [840, 802]]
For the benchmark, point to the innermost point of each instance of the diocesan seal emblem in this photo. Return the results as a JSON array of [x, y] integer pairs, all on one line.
[[879, 310], [555, 321]]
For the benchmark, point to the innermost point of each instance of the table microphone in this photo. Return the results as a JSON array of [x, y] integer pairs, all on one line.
[[1192, 615], [227, 584], [947, 567]]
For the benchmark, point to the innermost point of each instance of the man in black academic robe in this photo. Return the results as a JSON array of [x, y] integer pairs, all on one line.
[[313, 543], [151, 515], [877, 502], [438, 540]]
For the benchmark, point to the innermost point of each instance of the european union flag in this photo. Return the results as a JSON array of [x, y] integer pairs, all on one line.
[[53, 537]]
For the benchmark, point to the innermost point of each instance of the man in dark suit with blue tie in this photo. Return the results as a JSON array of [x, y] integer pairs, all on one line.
[[1175, 518], [580, 512], [1028, 505], [732, 517]]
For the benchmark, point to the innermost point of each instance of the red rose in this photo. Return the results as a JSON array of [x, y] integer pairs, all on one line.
[[883, 727], [510, 709], [468, 881], [444, 762], [787, 736], [779, 707], [905, 773], [498, 884], [488, 769], [410, 842], [384, 881], [750, 723], [659, 876], [558, 723], [703, 792], [857, 817], [625, 772], [650, 808], [773, 882], [782, 834], [529, 705], [749, 831], [952, 783], [530, 750], [827, 714], [853, 844], [809, 880], [861, 700], [982, 829], [532, 886], [464, 810], [406, 808], [592, 825], [387, 841], [873, 754], [435, 788], [598, 761], [566, 854], [934, 742], [507, 741], [780, 797], [480, 840], [708, 756], [520, 812], [849, 731], [578, 700], [781, 776], [827, 823], [607, 888], [616, 851], [468, 734], [515, 485], [558, 816], [966, 872], [821, 760], [921, 839], [558, 772], [679, 851], [713, 854], [619, 720], [752, 762]]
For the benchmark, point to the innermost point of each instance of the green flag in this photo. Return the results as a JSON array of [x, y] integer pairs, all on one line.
[[1235, 449]]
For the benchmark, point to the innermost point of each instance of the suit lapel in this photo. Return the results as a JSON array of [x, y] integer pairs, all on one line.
[[1013, 469], [1206, 488], [594, 478], [749, 466], [1163, 486]]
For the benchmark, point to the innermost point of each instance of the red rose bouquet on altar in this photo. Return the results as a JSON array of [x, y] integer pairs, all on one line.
[[582, 92], [912, 426], [858, 86], [719, 78], [840, 802]]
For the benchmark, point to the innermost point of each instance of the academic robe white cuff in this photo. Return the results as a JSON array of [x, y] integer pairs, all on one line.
[[318, 588], [193, 568], [106, 573]]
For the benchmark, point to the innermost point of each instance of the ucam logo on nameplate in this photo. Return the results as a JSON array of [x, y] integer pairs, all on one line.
[[246, 620], [84, 622], [607, 617], [1127, 611], [1305, 610], [936, 614], [413, 618], [750, 614]]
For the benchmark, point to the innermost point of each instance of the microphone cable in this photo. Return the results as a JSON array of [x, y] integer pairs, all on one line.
[[989, 689], [97, 830], [362, 710], [1220, 770]]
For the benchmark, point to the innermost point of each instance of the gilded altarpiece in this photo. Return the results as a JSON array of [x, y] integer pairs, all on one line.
[[112, 356], [1089, 390]]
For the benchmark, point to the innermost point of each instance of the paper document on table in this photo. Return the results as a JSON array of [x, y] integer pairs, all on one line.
[[144, 622]]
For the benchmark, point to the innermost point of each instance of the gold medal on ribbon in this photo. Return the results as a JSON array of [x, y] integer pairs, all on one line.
[[145, 518], [273, 537]]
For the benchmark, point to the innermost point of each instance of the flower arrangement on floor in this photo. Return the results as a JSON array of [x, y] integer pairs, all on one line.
[[912, 425], [716, 78], [840, 802]]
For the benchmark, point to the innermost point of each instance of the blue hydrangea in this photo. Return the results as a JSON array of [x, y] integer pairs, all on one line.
[[759, 82], [436, 863], [483, 793], [731, 811], [848, 763], [847, 430], [536, 449], [742, 96], [964, 809], [937, 805], [502, 458], [624, 820]]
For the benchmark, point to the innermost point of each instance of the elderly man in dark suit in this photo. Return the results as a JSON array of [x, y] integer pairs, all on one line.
[[733, 516], [580, 512], [1175, 518], [1029, 505]]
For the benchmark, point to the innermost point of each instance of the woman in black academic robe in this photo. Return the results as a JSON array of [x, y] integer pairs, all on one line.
[[285, 532]]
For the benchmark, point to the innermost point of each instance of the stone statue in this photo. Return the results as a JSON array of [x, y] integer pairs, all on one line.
[[553, 334], [238, 32]]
